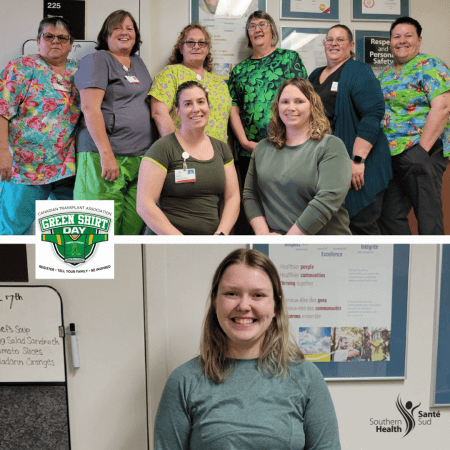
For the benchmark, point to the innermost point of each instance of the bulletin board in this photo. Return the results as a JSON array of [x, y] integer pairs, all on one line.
[[440, 395], [347, 306], [33, 380]]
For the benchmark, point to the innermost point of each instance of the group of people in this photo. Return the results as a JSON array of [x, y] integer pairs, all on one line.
[[312, 156]]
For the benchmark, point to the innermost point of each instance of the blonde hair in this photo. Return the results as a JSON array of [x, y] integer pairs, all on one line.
[[177, 57], [318, 123], [277, 350]]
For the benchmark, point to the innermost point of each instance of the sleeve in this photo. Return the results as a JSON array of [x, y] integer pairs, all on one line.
[[15, 81], [252, 201], [159, 154], [297, 67], [435, 78], [225, 153], [335, 172], [369, 101], [232, 88], [93, 72], [165, 86], [173, 423], [320, 422]]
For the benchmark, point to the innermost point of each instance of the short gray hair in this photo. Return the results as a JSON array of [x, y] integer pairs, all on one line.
[[265, 16], [55, 22]]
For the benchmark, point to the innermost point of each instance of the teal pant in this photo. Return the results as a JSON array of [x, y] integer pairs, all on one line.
[[89, 185]]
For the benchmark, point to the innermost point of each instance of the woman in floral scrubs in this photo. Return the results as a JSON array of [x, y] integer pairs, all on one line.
[[39, 110]]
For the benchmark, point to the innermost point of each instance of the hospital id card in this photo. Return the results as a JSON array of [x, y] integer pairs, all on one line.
[[185, 176], [132, 79]]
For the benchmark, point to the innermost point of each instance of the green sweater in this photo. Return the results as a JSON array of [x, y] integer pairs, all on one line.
[[305, 184], [249, 411]]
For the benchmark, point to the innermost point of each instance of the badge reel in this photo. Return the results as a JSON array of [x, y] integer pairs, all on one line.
[[58, 86], [130, 78], [185, 175]]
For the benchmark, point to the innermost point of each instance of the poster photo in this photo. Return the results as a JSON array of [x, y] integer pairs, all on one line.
[[379, 10], [225, 21]]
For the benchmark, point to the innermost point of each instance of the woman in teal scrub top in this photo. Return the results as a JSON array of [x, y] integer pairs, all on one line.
[[250, 388]]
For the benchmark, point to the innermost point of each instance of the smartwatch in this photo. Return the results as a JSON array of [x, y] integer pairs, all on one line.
[[358, 159]]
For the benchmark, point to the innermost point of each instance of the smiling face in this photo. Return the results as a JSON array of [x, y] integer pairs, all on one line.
[[405, 43], [193, 108], [338, 51], [122, 38], [294, 108], [261, 36], [245, 309], [55, 50], [194, 56]]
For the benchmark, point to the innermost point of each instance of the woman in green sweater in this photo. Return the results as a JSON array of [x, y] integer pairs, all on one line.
[[250, 388], [299, 176]]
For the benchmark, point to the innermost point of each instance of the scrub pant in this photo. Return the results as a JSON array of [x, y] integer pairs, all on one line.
[[17, 203], [364, 222], [89, 185], [417, 184]]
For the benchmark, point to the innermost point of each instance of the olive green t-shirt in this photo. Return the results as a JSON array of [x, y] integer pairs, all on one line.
[[191, 207]]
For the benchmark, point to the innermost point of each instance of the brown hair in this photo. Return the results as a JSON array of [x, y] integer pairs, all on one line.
[[265, 16], [188, 85], [177, 57], [318, 123], [349, 35], [277, 349], [114, 19]]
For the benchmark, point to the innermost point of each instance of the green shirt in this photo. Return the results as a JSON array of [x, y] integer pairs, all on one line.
[[305, 184], [249, 411], [254, 85]]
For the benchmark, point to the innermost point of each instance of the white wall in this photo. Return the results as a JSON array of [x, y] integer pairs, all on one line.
[[107, 394], [178, 281]]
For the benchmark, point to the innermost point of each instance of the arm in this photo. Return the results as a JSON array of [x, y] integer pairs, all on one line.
[[6, 159], [150, 183], [161, 116], [238, 130], [436, 120], [91, 103], [360, 148], [232, 200]]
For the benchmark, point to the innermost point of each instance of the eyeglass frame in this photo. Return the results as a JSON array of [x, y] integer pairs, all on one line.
[[62, 38], [201, 44], [338, 40], [260, 25]]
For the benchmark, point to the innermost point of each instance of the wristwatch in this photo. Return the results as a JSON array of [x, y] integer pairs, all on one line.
[[358, 159]]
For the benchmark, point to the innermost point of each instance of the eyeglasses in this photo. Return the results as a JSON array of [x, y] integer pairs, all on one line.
[[260, 25], [50, 37], [201, 44], [338, 41]]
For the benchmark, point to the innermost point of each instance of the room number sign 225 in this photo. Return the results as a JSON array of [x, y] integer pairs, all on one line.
[[51, 5]]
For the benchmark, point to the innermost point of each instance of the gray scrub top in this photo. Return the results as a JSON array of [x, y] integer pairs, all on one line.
[[126, 113]]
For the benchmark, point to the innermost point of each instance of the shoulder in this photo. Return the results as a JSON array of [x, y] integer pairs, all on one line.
[[330, 145], [428, 62], [316, 72], [163, 144], [306, 375], [188, 373], [263, 147], [215, 78], [23, 63]]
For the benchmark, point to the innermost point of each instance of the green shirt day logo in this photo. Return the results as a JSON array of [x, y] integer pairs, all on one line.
[[73, 235]]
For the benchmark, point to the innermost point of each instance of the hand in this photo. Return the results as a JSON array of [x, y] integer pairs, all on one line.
[[6, 162], [270, 233], [357, 175], [110, 168], [250, 146]]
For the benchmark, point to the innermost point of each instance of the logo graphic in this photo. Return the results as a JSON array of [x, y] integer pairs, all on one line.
[[74, 236], [407, 415]]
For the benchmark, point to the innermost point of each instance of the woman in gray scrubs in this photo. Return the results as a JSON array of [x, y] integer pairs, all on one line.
[[115, 129]]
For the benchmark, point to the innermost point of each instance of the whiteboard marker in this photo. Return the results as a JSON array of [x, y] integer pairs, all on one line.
[[74, 341]]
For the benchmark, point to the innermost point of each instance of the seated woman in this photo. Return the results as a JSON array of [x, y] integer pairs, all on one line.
[[355, 110], [250, 388], [299, 176], [115, 129], [183, 174]]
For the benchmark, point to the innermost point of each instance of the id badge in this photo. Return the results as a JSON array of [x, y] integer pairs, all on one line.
[[60, 87], [185, 176], [334, 86], [132, 79]]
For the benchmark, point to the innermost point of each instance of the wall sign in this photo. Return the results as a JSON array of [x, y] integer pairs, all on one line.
[[72, 11]]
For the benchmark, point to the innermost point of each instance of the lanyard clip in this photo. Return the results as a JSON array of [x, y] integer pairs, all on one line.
[[185, 156]]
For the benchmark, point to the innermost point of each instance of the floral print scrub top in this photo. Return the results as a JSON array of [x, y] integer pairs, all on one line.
[[254, 85], [407, 94], [42, 120], [165, 86]]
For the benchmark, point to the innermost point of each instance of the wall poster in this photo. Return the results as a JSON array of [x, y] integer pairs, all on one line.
[[373, 48], [309, 9], [380, 10], [225, 20], [347, 306]]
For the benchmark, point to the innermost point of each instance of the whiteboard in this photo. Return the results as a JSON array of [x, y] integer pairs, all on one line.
[[31, 348], [79, 50]]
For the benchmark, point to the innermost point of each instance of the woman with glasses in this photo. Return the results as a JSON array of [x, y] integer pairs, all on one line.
[[254, 84], [191, 60], [115, 129], [39, 111], [354, 105]]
